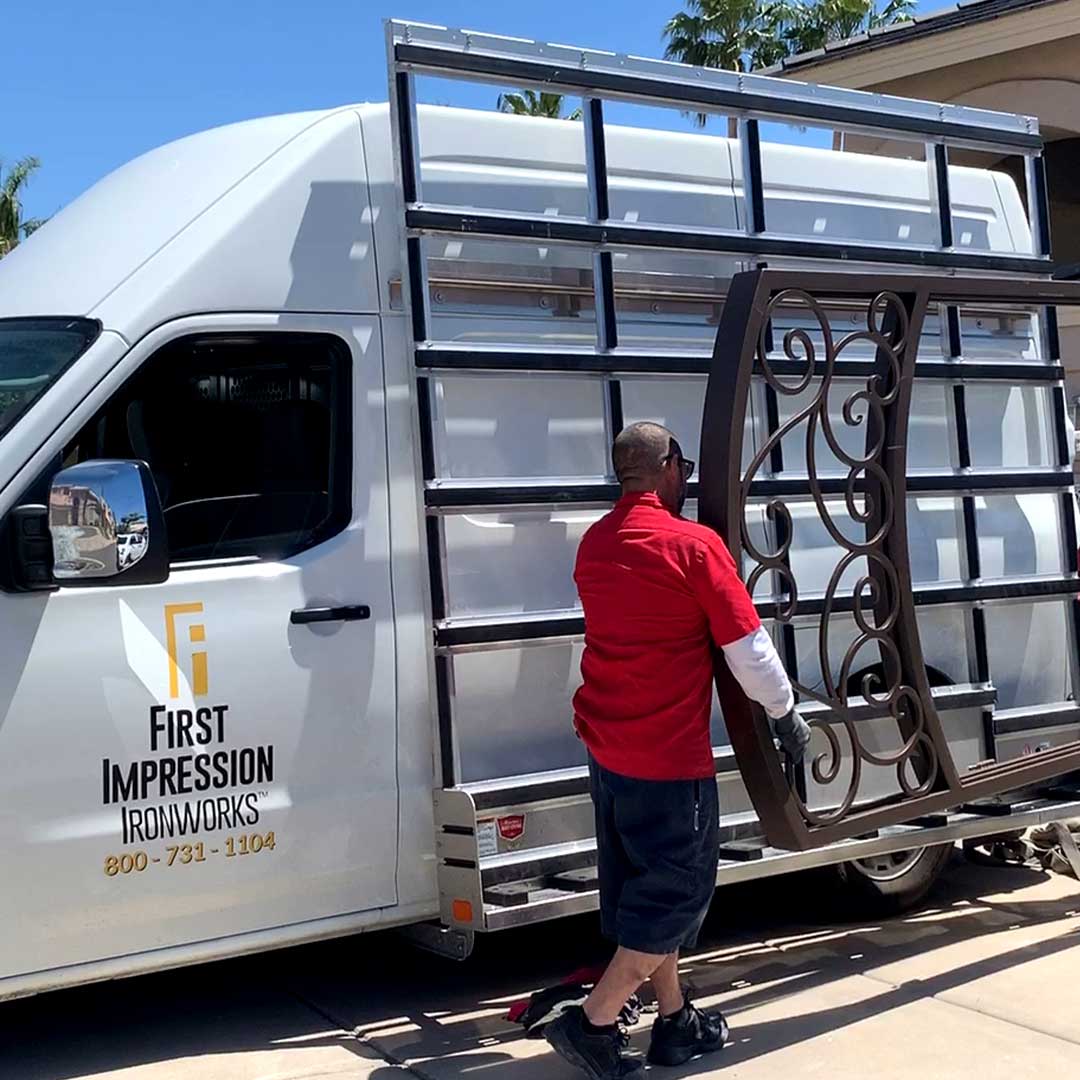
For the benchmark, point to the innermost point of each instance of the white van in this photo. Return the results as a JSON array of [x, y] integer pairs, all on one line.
[[219, 715]]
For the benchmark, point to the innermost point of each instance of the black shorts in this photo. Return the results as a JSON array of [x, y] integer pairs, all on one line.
[[657, 849]]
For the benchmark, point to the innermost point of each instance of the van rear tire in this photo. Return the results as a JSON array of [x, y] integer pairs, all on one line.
[[893, 883], [890, 884]]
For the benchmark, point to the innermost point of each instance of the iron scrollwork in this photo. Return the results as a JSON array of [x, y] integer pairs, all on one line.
[[871, 486], [877, 598]]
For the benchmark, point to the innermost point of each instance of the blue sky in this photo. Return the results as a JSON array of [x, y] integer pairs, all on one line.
[[89, 84]]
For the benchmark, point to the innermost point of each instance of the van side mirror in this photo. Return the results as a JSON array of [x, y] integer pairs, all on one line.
[[106, 524]]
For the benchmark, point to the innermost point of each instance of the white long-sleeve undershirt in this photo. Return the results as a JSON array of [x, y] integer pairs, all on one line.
[[757, 669]]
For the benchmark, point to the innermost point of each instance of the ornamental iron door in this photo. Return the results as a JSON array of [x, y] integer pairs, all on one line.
[[864, 619]]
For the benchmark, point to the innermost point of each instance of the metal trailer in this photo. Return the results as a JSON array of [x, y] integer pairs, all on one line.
[[518, 848]]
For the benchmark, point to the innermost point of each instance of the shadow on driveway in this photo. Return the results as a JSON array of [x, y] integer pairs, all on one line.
[[373, 995]]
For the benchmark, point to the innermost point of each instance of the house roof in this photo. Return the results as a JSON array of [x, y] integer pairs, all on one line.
[[965, 13]]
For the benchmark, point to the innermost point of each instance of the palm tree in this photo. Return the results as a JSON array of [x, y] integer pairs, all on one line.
[[826, 21], [531, 103], [743, 35], [13, 226], [734, 35]]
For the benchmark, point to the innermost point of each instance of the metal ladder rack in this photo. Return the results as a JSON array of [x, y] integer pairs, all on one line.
[[501, 892], [420, 50]]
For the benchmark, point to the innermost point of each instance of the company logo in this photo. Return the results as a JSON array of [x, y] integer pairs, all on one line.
[[512, 827], [196, 635]]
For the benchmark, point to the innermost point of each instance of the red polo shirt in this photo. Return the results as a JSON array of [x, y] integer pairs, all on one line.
[[658, 592]]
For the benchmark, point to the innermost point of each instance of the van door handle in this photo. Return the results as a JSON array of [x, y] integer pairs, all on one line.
[[348, 613]]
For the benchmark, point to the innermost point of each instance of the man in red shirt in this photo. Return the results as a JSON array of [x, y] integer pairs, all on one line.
[[659, 593]]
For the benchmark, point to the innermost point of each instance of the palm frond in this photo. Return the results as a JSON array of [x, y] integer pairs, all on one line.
[[512, 103], [18, 175], [531, 103], [743, 35], [895, 11], [12, 226]]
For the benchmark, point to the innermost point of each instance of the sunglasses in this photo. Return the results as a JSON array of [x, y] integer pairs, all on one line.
[[685, 464]]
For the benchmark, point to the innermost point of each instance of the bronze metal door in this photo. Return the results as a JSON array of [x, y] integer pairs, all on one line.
[[875, 672]]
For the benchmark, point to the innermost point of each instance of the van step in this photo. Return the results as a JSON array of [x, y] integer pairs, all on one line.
[[1064, 792], [584, 880], [743, 850], [1002, 806], [568, 891], [509, 894]]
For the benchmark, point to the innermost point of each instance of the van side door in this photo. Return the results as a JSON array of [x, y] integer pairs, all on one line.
[[215, 754]]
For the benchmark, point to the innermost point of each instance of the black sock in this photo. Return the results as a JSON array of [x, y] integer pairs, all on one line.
[[677, 1015], [596, 1029]]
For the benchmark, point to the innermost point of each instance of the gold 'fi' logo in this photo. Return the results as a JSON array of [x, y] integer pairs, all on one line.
[[196, 635]]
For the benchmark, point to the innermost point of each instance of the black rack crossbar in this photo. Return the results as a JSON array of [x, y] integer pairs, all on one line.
[[945, 483], [504, 631], [879, 114], [976, 370], [488, 795], [451, 221], [929, 483], [1018, 721], [440, 359], [946, 699], [964, 593], [465, 498]]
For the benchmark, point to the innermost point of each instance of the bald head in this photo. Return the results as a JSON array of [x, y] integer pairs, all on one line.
[[640, 453], [647, 457]]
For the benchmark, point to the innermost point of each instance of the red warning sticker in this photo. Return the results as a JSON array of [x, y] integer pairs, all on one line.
[[512, 827]]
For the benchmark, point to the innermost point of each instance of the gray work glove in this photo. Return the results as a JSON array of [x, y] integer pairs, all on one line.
[[794, 735]]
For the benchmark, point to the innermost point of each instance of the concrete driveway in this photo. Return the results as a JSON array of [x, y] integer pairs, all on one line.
[[984, 983]]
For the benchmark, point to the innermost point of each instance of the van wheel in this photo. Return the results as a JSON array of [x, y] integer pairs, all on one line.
[[892, 883], [889, 884]]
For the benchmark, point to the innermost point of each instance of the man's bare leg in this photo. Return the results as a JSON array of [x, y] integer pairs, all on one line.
[[665, 984], [625, 974]]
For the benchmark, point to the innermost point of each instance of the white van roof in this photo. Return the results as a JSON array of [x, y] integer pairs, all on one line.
[[273, 214], [109, 232]]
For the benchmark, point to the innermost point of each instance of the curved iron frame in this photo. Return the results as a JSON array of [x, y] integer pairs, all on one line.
[[874, 493]]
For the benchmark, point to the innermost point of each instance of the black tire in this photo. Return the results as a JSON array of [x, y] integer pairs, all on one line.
[[894, 883], [890, 884], [934, 676]]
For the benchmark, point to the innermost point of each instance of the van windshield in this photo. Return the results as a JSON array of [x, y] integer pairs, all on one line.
[[33, 354]]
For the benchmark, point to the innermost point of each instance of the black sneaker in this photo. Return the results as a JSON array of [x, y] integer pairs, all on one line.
[[685, 1035], [599, 1056], [546, 1006]]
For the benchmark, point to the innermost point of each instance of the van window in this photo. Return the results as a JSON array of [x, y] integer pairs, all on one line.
[[33, 354], [248, 438]]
